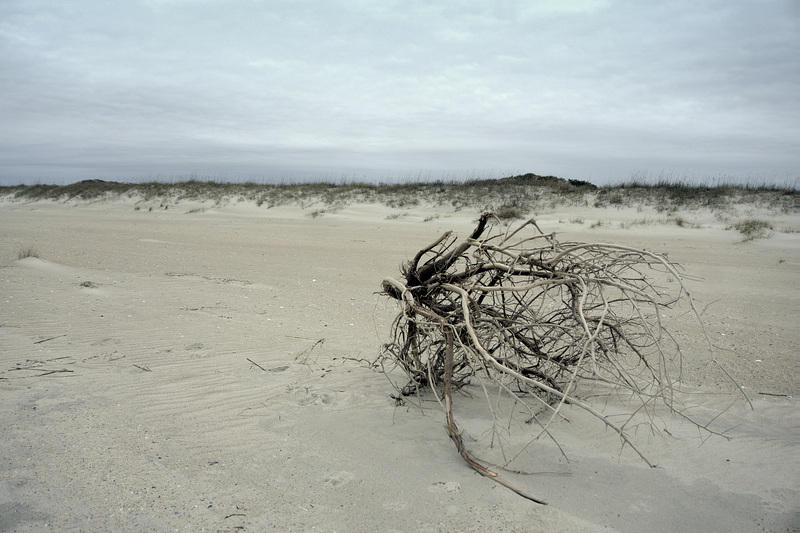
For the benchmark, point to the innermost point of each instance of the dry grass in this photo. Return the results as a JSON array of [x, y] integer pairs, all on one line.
[[26, 252], [515, 197], [753, 228]]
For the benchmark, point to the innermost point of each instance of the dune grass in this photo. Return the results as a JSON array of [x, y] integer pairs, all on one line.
[[514, 197], [753, 228], [26, 252]]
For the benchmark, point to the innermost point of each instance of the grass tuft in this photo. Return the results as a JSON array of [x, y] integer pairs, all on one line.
[[27, 252], [509, 212], [753, 228]]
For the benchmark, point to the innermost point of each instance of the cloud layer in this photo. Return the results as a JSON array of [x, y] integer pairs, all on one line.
[[264, 90]]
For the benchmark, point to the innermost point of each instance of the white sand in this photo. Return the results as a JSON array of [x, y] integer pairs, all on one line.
[[155, 418]]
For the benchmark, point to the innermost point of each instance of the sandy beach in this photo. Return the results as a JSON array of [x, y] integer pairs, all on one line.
[[209, 368]]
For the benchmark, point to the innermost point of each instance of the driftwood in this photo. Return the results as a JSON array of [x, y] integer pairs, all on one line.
[[533, 318]]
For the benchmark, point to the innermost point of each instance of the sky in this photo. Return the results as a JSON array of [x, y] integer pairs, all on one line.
[[384, 90]]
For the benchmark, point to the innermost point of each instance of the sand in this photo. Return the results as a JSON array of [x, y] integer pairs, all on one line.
[[208, 368]]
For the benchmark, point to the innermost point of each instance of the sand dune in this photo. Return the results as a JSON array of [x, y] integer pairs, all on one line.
[[209, 370]]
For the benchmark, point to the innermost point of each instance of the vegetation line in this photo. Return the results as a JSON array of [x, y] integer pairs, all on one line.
[[511, 197]]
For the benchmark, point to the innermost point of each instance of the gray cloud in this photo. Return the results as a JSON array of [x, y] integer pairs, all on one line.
[[582, 89]]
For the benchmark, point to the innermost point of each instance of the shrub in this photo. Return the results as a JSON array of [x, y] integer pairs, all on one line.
[[509, 212]]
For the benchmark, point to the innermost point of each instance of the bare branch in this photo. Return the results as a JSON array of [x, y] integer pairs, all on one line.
[[536, 318]]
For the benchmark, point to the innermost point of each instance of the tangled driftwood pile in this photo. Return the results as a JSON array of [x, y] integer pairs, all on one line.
[[532, 318]]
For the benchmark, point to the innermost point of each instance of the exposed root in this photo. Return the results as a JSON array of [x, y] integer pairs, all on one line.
[[534, 318]]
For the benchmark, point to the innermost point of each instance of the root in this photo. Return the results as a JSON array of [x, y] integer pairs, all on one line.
[[537, 318]]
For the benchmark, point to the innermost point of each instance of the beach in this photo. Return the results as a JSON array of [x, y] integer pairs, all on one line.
[[208, 367]]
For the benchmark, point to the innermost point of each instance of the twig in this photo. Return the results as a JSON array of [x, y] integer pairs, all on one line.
[[259, 366], [51, 338], [307, 352], [44, 372]]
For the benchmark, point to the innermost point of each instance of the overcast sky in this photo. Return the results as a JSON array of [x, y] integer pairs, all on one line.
[[386, 90]]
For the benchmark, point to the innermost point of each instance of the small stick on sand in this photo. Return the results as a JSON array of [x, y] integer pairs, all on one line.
[[306, 353], [45, 372], [51, 338], [259, 366]]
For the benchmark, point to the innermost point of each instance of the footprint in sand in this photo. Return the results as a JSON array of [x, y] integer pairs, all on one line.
[[316, 398], [106, 342], [395, 505], [441, 486], [336, 479]]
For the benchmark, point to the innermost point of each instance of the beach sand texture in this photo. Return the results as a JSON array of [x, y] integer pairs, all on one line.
[[166, 370]]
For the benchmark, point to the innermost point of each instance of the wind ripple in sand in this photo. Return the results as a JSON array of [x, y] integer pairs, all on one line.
[[197, 399]]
